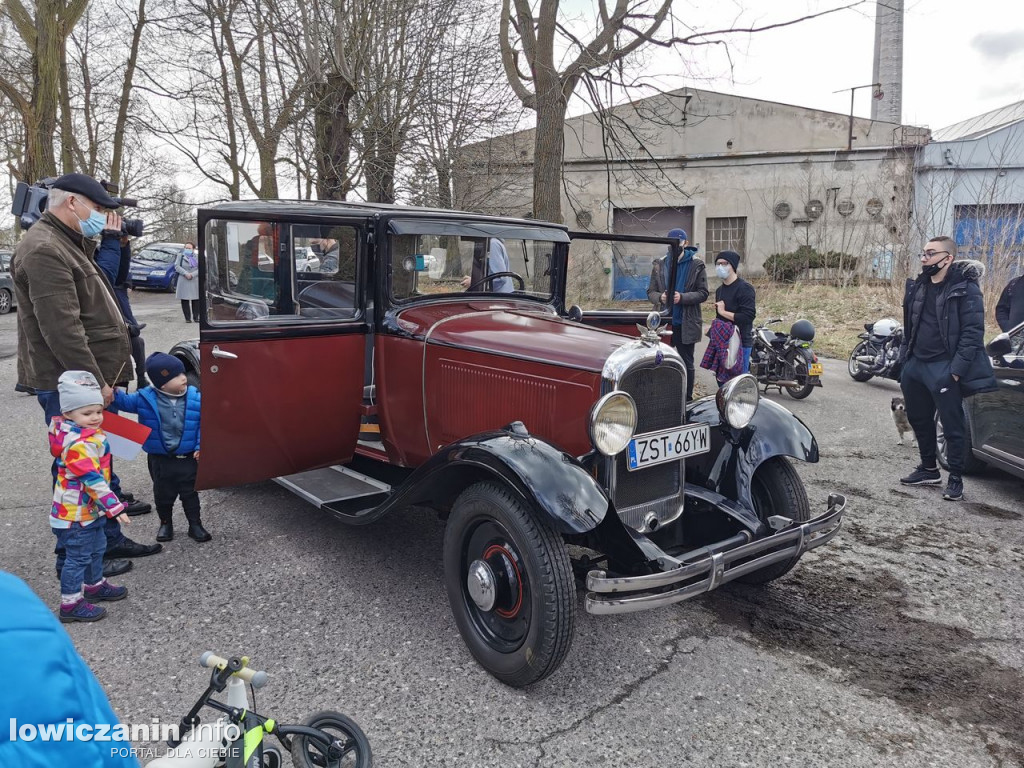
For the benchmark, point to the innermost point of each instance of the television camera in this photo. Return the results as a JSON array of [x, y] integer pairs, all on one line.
[[30, 202]]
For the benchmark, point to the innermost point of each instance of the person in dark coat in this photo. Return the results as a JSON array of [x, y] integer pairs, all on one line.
[[691, 290], [944, 358], [1010, 307], [736, 301], [114, 257]]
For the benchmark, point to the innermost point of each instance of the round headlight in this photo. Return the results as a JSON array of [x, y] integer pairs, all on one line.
[[612, 423], [737, 400]]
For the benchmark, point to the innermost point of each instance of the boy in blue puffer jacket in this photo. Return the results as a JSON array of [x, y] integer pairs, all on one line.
[[170, 408]]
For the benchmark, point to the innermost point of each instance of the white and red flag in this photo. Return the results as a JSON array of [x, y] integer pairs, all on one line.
[[126, 436]]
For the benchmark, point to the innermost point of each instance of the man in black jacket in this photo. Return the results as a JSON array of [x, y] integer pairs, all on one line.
[[1010, 307], [944, 358], [691, 291]]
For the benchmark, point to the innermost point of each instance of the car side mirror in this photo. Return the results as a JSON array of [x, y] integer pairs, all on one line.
[[999, 346]]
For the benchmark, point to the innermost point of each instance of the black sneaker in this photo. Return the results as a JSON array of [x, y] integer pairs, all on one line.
[[922, 476], [954, 488], [113, 568], [129, 548]]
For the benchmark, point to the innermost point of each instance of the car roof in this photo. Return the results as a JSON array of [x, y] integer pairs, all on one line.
[[259, 208]]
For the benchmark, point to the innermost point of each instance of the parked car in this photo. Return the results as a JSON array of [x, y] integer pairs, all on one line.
[[153, 266], [995, 420], [549, 442], [7, 302]]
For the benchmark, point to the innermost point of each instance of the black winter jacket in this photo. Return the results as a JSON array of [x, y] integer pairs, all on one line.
[[695, 294], [961, 312]]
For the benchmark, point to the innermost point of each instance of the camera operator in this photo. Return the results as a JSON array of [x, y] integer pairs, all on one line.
[[68, 319], [114, 257]]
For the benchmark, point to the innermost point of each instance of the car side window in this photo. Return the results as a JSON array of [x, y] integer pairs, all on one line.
[[259, 272], [1017, 345]]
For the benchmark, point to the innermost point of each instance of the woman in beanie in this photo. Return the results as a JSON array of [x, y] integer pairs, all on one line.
[[170, 408], [81, 497], [736, 301]]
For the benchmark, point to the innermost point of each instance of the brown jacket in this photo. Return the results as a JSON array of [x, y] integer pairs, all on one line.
[[68, 317]]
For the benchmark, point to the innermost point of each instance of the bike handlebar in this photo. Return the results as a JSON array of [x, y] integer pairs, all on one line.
[[256, 678]]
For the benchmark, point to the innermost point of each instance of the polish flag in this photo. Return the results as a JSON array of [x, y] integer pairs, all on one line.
[[126, 436]]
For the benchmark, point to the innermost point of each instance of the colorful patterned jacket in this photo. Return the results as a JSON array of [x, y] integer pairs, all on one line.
[[82, 493], [717, 353]]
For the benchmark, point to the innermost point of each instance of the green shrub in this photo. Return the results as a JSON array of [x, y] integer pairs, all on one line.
[[787, 267]]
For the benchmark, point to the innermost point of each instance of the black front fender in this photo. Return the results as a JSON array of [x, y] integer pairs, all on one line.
[[549, 479], [728, 468]]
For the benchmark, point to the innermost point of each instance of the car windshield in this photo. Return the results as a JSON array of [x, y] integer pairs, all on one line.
[[5, 261], [156, 254], [427, 264]]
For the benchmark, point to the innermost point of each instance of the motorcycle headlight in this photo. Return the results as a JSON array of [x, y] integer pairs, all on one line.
[[737, 400], [612, 423]]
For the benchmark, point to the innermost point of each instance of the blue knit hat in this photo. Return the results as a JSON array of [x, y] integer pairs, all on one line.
[[678, 234], [161, 368]]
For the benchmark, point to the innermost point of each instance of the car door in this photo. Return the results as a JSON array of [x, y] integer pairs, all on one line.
[[999, 416], [607, 276], [281, 353]]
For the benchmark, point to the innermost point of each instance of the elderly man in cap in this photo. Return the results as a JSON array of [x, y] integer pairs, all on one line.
[[69, 319]]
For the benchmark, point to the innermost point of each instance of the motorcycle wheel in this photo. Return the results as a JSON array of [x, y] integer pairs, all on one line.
[[857, 373], [800, 365]]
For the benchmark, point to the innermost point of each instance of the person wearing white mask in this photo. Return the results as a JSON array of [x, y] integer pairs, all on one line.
[[736, 301]]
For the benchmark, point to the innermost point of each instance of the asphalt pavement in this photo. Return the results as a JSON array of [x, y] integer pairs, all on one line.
[[898, 644]]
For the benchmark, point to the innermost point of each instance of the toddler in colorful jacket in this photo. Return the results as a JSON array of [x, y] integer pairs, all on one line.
[[82, 496]]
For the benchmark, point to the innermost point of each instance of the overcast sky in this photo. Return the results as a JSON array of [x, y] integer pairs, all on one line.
[[961, 57]]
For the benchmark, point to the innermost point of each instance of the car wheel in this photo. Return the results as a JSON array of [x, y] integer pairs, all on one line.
[[777, 490], [193, 378], [855, 367], [5, 301], [172, 286], [972, 464], [341, 728], [510, 585]]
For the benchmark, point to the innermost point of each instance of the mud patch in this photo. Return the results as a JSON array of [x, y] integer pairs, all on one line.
[[901, 494], [987, 510], [849, 490], [858, 624]]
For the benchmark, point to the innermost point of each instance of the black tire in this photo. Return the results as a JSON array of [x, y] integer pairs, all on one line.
[[357, 746], [173, 285], [972, 464], [800, 364], [193, 378], [5, 301], [777, 490], [526, 633], [853, 367]]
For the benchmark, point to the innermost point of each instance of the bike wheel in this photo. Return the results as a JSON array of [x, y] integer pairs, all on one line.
[[855, 367], [305, 754], [800, 366]]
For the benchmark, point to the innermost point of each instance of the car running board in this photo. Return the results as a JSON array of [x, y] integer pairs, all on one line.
[[337, 489]]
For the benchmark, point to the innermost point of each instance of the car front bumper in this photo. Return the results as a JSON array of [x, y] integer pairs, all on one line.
[[708, 568]]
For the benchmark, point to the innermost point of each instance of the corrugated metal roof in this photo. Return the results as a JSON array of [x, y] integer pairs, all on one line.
[[976, 127]]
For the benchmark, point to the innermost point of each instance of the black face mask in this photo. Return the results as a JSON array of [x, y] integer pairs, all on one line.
[[930, 270]]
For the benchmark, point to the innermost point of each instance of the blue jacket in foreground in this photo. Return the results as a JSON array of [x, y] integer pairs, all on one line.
[[45, 682], [144, 403]]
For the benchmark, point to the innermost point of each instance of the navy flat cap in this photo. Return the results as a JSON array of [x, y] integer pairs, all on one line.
[[87, 186]]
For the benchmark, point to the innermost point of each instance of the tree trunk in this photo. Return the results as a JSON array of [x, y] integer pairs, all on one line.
[[126, 94], [333, 136], [548, 150], [381, 159], [46, 61], [442, 167]]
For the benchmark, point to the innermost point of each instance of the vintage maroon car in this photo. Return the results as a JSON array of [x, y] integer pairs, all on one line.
[[435, 360]]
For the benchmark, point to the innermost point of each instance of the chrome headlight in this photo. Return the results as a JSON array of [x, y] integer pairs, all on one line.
[[612, 423], [737, 400]]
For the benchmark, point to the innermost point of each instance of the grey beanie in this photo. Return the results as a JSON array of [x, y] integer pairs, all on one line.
[[78, 389]]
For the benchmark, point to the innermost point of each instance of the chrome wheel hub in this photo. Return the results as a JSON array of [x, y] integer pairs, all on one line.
[[480, 583]]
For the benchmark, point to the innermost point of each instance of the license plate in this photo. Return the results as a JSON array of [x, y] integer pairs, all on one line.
[[669, 445], [816, 369]]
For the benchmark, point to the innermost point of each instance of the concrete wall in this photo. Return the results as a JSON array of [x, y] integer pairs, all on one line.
[[723, 155]]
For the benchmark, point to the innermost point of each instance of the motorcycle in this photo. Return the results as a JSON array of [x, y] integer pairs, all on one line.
[[786, 360], [878, 353]]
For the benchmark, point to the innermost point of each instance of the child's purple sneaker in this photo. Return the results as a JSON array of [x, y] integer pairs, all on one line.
[[106, 591], [81, 611]]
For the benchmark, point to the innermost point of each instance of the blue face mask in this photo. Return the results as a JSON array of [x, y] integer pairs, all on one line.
[[722, 271], [93, 225]]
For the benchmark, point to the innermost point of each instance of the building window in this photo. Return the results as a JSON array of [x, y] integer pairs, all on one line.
[[726, 234]]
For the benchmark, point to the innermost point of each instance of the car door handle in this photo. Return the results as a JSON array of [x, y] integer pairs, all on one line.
[[218, 352]]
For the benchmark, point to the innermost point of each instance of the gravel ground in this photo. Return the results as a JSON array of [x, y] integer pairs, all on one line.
[[897, 644]]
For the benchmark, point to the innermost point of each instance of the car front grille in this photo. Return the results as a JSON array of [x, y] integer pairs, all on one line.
[[659, 392]]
